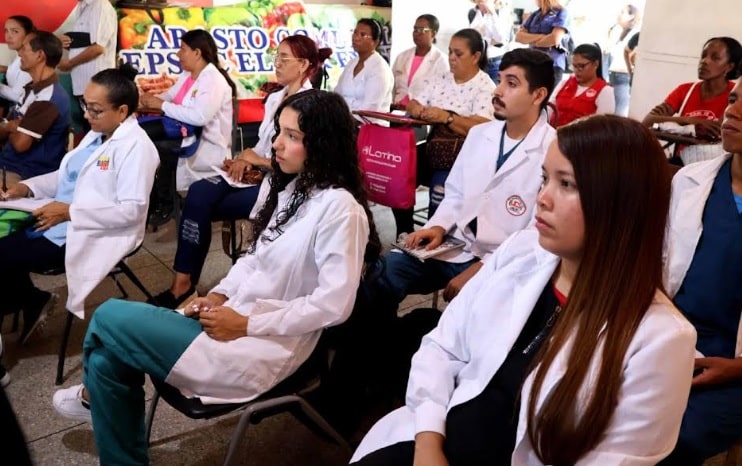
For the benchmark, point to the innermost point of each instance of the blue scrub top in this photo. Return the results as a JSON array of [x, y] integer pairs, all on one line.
[[711, 293]]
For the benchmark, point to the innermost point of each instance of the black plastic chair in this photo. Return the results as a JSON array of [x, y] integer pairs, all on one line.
[[288, 396], [120, 268]]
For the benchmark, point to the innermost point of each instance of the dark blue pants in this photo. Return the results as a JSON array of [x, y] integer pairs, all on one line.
[[21, 255], [712, 423], [208, 200], [437, 190]]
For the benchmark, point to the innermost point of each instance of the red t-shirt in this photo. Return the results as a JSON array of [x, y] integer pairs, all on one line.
[[711, 109]]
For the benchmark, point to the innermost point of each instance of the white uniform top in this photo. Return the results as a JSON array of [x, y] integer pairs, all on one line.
[[470, 98], [503, 202], [109, 206], [605, 102], [98, 18], [371, 89], [495, 28], [265, 135], [691, 187], [17, 78], [434, 65], [290, 288], [208, 104], [460, 356]]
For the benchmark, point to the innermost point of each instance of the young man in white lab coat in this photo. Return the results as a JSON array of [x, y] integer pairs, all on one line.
[[490, 194], [703, 274]]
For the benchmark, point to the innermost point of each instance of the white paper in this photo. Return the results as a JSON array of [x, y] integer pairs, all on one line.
[[24, 204], [230, 181]]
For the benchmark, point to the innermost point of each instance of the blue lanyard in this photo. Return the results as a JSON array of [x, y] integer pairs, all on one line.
[[501, 158]]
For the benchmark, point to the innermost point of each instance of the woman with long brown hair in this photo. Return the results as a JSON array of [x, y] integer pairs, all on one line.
[[563, 349]]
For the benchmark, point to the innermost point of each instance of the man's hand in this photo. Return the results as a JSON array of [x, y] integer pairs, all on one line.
[[430, 237], [65, 39], [51, 214], [458, 282], [223, 323], [716, 370]]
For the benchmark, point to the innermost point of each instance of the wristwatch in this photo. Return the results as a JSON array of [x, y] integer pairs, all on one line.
[[449, 120]]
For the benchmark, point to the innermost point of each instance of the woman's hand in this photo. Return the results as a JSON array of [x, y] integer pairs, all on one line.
[[414, 108], [205, 304], [51, 214], [429, 450], [434, 115], [254, 159], [662, 109], [707, 129], [16, 191], [236, 168], [150, 101], [223, 323]]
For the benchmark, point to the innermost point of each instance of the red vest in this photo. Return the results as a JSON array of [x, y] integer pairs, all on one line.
[[572, 107]]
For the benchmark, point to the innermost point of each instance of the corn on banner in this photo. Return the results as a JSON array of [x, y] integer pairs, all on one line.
[[244, 34]]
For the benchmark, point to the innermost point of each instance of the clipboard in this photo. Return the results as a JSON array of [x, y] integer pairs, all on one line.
[[391, 118]]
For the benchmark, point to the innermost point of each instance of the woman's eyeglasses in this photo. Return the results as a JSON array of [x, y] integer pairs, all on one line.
[[273, 59], [421, 30], [581, 66], [94, 114]]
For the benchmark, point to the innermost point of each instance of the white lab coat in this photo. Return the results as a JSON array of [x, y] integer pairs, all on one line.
[[460, 356], [691, 187], [503, 202], [371, 89], [434, 65], [290, 288], [207, 104], [108, 209]]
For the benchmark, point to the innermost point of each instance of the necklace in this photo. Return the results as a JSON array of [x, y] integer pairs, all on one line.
[[544, 331]]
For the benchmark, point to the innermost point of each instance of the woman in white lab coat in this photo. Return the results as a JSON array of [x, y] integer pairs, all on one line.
[[297, 61], [366, 81], [95, 209], [417, 67], [570, 318], [262, 321], [16, 28], [201, 97]]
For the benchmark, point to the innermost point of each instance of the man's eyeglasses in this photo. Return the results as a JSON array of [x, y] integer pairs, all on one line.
[[273, 59], [581, 66], [94, 114], [421, 30]]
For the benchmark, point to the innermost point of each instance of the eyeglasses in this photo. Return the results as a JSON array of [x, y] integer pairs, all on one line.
[[273, 59], [421, 30], [362, 35], [581, 66], [94, 114]]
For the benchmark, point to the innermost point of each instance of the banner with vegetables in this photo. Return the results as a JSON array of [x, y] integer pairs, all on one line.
[[245, 35]]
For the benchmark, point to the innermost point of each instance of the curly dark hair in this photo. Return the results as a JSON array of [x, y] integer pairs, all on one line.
[[332, 162]]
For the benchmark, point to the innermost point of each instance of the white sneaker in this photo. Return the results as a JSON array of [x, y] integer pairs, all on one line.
[[69, 403]]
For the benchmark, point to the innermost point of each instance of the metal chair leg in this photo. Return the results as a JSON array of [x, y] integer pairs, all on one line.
[[233, 242], [127, 271], [16, 319], [124, 294], [63, 348], [151, 415]]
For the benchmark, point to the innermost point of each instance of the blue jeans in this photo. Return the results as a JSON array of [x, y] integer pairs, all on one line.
[[621, 83], [399, 275], [208, 200], [126, 340], [437, 190]]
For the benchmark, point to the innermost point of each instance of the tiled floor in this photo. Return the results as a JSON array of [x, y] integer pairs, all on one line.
[[176, 440]]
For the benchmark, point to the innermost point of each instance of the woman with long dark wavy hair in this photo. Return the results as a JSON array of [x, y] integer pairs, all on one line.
[[563, 349], [263, 320]]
